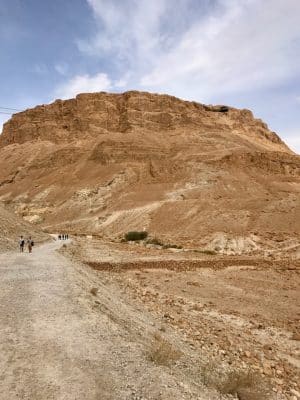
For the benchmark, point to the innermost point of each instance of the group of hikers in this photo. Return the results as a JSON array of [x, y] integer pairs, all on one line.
[[28, 242], [63, 236]]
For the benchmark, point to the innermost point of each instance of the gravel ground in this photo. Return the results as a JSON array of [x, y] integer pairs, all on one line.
[[236, 313], [59, 341]]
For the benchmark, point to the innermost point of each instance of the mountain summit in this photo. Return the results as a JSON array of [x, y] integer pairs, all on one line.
[[109, 163], [90, 116]]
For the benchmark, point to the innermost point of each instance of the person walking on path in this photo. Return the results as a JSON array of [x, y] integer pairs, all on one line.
[[29, 244], [22, 244]]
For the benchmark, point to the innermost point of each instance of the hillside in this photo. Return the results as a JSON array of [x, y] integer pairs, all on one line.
[[108, 163], [11, 229]]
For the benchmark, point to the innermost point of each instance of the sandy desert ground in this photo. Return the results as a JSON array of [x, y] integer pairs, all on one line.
[[237, 314], [208, 307]]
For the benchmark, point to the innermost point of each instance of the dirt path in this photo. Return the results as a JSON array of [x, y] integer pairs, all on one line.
[[58, 341]]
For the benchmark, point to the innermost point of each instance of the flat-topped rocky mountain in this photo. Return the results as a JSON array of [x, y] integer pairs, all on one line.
[[90, 115], [109, 163]]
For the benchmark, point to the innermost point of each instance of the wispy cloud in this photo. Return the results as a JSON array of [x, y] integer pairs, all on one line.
[[61, 68], [130, 29], [232, 46], [40, 69], [248, 46], [83, 84]]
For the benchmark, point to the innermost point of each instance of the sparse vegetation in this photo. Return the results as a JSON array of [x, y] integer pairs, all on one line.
[[171, 246], [162, 352], [246, 385], [158, 242], [135, 236], [209, 252], [94, 291], [206, 251], [154, 241]]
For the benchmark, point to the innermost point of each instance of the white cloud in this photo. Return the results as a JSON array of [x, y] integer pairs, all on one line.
[[83, 84], [197, 50], [129, 29], [121, 83], [130, 32], [61, 68], [246, 47]]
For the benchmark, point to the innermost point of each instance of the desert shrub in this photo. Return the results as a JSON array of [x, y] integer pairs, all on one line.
[[246, 385], [155, 241], [206, 251], [162, 352], [158, 242], [94, 291], [135, 235], [171, 246], [246, 382], [209, 252]]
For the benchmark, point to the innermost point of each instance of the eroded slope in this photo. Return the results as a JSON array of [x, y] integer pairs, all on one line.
[[108, 163]]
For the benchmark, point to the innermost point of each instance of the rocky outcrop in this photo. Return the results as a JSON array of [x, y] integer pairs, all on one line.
[[92, 115]]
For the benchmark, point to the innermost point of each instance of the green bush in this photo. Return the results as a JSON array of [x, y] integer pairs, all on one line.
[[135, 235]]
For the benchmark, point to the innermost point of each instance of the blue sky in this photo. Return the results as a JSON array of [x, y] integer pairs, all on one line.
[[244, 53]]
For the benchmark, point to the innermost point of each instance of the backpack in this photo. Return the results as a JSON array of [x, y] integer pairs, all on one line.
[[32, 243]]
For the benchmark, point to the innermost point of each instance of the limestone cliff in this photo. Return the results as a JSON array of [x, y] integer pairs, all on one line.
[[96, 114]]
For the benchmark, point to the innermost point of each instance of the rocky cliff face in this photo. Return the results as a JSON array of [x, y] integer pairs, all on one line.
[[108, 163], [89, 116]]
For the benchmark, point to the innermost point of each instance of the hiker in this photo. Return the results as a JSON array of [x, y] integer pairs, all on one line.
[[22, 244], [30, 244]]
